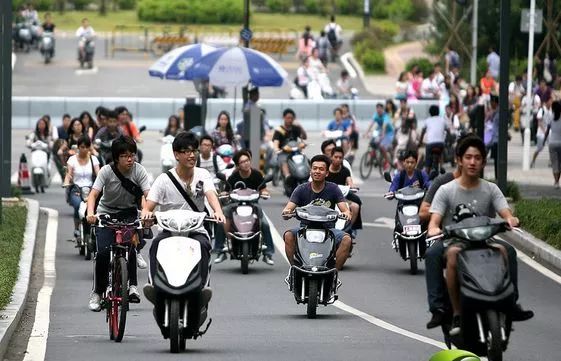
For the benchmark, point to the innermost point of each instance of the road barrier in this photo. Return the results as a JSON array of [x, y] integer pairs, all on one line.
[[24, 178]]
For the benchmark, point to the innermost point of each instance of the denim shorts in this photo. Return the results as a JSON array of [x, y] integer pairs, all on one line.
[[339, 234]]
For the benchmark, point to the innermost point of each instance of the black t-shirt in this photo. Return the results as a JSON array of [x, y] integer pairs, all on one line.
[[254, 181], [436, 183], [284, 136], [329, 196], [48, 27], [340, 177]]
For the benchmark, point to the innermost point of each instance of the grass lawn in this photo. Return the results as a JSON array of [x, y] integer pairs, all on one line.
[[70, 21], [542, 218], [11, 240]]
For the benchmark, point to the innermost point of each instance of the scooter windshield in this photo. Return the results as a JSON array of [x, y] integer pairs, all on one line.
[[315, 246]]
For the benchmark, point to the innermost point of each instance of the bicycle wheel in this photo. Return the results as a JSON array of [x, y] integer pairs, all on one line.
[[120, 301], [366, 165]]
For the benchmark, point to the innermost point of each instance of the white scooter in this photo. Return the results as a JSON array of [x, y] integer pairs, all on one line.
[[40, 167], [181, 294], [167, 158], [344, 224], [313, 88]]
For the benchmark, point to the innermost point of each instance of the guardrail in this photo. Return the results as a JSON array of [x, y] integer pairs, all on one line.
[[154, 112]]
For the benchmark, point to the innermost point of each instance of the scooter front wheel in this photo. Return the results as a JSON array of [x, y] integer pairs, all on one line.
[[494, 338], [175, 328], [412, 249], [312, 298], [245, 258]]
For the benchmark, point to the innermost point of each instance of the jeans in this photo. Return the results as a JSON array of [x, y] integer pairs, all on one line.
[[220, 234], [75, 200], [435, 263]]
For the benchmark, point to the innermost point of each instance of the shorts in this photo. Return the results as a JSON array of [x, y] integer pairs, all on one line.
[[339, 234], [386, 142]]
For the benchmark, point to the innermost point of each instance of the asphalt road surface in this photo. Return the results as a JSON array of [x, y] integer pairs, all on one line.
[[381, 314]]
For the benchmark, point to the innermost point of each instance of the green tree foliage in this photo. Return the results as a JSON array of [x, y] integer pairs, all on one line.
[[279, 6], [192, 11]]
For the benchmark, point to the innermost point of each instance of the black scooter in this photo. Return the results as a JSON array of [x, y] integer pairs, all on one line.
[[486, 289], [410, 233], [298, 167], [313, 276]]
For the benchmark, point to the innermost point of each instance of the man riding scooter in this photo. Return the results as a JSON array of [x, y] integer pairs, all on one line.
[[252, 179], [283, 134], [106, 135]]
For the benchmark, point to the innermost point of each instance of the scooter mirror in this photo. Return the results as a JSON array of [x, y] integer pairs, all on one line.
[[387, 176], [142, 128]]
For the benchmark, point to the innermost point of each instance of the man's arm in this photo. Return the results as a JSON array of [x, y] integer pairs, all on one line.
[[434, 225], [94, 193], [215, 205], [424, 213], [507, 215], [289, 208], [344, 208]]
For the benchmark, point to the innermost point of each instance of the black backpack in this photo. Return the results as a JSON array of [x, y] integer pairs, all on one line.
[[332, 36], [214, 162]]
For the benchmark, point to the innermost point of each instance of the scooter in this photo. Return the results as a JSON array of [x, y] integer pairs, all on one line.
[[345, 224], [40, 167], [313, 88], [313, 276], [47, 46], [181, 295], [409, 236], [167, 158], [104, 148], [86, 242], [298, 167], [486, 289], [23, 37], [245, 241], [85, 57]]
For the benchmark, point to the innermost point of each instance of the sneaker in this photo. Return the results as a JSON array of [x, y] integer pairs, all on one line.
[[455, 328], [436, 319], [556, 185], [150, 293], [140, 262], [268, 260], [134, 296], [76, 234], [94, 303], [220, 258], [519, 314]]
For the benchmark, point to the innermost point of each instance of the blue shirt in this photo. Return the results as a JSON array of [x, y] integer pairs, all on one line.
[[344, 125], [380, 120], [329, 196], [413, 181]]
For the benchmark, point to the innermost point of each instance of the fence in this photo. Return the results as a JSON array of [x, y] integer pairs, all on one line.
[[154, 112]]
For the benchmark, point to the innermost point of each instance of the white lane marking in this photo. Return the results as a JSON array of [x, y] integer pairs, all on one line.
[[279, 244], [37, 344], [382, 222], [86, 71]]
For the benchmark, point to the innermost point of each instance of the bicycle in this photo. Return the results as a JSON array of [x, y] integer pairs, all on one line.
[[374, 157], [115, 299]]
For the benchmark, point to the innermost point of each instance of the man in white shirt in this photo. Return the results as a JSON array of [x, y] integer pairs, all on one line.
[[84, 32], [207, 158], [526, 120], [429, 88], [333, 32], [544, 116], [436, 129]]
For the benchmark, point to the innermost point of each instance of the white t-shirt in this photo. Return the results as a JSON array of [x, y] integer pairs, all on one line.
[[545, 117], [82, 173], [208, 164], [428, 89], [435, 129], [167, 196], [335, 26], [85, 32]]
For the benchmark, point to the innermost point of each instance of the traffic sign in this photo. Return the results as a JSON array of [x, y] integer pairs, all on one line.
[[246, 34], [525, 21]]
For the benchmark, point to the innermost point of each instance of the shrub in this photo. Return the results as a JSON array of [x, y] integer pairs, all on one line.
[[350, 7], [317, 7], [378, 36], [373, 61], [542, 218], [40, 5], [279, 6], [424, 64], [80, 4], [126, 4], [193, 11]]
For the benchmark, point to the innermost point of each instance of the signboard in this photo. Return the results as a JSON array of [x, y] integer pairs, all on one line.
[[525, 21], [246, 34]]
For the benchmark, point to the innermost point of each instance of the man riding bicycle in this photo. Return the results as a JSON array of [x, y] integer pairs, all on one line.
[[121, 186], [386, 128], [436, 129]]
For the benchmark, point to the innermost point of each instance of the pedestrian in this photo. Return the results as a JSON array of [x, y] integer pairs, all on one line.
[[322, 44], [544, 117], [401, 86], [334, 35], [493, 63], [306, 44], [554, 129]]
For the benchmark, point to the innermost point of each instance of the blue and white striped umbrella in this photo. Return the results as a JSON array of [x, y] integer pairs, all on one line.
[[173, 64], [237, 67]]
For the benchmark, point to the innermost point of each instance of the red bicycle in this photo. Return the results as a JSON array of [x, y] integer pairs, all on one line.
[[115, 299]]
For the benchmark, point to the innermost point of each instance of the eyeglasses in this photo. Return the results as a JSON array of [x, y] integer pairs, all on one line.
[[194, 152], [127, 156]]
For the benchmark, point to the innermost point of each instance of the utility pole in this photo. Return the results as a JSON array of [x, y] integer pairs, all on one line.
[[366, 21], [502, 156], [5, 101], [245, 44], [530, 98], [474, 25]]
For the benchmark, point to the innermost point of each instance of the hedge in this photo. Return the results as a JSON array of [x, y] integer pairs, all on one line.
[[424, 64], [192, 11], [11, 240], [542, 218]]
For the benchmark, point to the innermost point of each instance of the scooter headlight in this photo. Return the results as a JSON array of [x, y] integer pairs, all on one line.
[[410, 211], [315, 236]]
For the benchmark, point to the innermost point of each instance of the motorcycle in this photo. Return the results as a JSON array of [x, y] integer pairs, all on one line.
[[23, 37], [486, 289], [40, 167], [85, 57], [167, 158], [181, 295], [298, 166], [313, 88], [313, 276], [245, 241], [409, 237], [86, 242], [345, 224], [104, 147], [47, 46]]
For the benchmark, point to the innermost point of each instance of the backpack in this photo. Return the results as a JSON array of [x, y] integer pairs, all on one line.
[[418, 174], [214, 162], [332, 35]]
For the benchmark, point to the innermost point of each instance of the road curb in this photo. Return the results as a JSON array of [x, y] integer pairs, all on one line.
[[10, 316], [539, 250]]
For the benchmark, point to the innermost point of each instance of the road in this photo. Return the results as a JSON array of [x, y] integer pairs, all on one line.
[[256, 318]]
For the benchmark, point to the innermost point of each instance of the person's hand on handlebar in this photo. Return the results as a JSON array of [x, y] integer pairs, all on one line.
[[219, 216], [91, 218], [287, 148], [347, 214], [147, 219], [302, 145]]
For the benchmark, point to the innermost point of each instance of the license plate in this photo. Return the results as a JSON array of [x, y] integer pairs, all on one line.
[[412, 230]]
